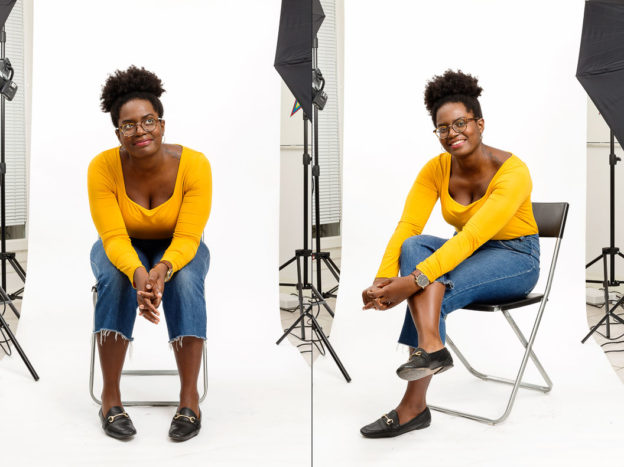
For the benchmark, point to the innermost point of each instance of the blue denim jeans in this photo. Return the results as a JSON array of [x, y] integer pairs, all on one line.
[[183, 297], [499, 270]]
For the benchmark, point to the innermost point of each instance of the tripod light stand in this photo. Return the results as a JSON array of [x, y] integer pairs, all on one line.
[[600, 72], [7, 91], [302, 255], [611, 252], [296, 62]]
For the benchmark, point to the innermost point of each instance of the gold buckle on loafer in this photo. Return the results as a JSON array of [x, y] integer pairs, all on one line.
[[179, 415], [112, 418], [389, 421]]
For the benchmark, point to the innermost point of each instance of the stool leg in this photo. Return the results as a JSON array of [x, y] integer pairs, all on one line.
[[204, 372], [204, 365], [92, 371]]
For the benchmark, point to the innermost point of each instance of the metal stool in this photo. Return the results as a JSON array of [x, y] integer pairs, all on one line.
[[143, 373]]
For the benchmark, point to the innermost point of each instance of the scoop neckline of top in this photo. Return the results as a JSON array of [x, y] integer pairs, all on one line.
[[123, 182], [448, 179]]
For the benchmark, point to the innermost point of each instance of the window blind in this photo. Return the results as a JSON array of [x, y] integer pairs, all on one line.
[[15, 142], [330, 191]]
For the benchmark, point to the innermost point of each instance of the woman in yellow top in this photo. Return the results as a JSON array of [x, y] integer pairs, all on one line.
[[485, 193], [150, 202]]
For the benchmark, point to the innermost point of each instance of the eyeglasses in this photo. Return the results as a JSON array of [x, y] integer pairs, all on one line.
[[148, 124], [458, 125]]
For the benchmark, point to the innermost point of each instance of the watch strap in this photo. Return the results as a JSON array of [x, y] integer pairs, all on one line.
[[169, 271]]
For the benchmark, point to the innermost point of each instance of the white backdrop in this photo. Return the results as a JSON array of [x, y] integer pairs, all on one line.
[[524, 54], [215, 59]]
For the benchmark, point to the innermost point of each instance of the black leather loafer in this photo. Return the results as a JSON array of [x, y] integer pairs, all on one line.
[[185, 425], [388, 425], [117, 423], [421, 364]]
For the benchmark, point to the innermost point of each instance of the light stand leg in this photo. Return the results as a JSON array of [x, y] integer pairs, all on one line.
[[13, 339], [608, 279], [321, 300], [300, 293], [319, 332], [609, 313]]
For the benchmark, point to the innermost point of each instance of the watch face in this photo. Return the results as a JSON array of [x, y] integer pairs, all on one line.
[[168, 275], [422, 280]]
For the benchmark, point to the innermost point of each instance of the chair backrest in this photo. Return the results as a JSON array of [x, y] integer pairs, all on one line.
[[550, 218]]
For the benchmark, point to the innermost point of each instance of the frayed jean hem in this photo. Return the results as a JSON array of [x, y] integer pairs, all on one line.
[[178, 341], [104, 333]]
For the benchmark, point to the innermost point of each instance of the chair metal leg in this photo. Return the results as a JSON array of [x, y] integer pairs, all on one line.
[[532, 355], [516, 383], [144, 373], [92, 371], [147, 373]]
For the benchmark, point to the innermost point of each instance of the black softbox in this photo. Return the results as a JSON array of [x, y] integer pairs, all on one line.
[[601, 61], [300, 21], [5, 9]]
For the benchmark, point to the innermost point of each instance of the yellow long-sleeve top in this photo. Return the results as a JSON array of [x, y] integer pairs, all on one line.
[[182, 217], [503, 213]]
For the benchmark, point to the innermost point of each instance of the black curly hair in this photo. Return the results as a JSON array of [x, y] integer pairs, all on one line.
[[133, 83], [453, 86]]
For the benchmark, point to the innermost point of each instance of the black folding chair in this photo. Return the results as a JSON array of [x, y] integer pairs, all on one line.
[[551, 219]]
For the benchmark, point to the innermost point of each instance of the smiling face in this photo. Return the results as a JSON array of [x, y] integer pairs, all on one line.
[[142, 143], [466, 142]]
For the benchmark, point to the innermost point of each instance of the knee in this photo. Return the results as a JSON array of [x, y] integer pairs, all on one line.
[[106, 274], [412, 243], [111, 279], [414, 250], [187, 280], [203, 255]]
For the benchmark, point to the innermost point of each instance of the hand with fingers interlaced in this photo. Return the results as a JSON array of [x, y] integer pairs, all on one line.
[[387, 292], [150, 288]]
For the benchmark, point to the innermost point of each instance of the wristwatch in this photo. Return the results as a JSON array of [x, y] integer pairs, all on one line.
[[169, 271], [421, 280]]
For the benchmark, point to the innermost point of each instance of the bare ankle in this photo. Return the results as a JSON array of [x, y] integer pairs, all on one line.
[[190, 400], [408, 411], [110, 398], [431, 346]]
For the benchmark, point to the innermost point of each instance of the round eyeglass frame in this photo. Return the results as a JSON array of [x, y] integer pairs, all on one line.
[[446, 128], [136, 125]]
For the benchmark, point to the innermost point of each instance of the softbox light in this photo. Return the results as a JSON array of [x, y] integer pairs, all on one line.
[[5, 10], [601, 61], [300, 21]]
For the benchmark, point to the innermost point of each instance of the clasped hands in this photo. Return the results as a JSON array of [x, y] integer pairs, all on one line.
[[150, 287], [387, 292]]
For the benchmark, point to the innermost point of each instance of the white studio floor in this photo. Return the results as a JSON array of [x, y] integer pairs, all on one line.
[[257, 412], [258, 407], [578, 423]]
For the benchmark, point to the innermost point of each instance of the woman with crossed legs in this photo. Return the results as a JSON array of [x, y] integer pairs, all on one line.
[[485, 193]]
